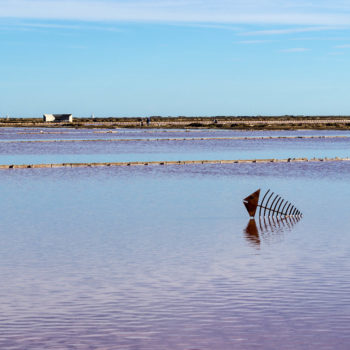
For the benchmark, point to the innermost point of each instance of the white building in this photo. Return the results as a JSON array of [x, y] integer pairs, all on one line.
[[58, 118]]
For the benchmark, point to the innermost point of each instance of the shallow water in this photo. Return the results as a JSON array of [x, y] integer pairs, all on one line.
[[161, 258], [118, 149], [86, 134]]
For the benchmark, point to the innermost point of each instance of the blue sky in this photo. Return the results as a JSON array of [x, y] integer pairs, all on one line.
[[169, 58]]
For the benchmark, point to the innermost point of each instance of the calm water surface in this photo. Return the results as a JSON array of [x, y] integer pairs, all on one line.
[[105, 148], [88, 134], [163, 258]]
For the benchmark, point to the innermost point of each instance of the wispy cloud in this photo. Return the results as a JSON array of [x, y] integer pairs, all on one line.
[[211, 26], [336, 53], [294, 30], [344, 46], [296, 49], [252, 42], [296, 12], [25, 25], [317, 38]]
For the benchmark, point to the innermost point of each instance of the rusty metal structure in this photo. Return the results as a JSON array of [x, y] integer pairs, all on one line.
[[271, 205]]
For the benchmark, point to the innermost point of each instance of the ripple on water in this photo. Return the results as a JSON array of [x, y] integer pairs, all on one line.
[[161, 258]]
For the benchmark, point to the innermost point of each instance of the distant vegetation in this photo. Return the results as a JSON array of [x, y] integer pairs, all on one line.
[[286, 122]]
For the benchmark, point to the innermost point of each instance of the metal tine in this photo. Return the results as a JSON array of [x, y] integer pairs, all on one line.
[[286, 212], [270, 208], [282, 211], [290, 210], [273, 210], [268, 202], [262, 202], [278, 209]]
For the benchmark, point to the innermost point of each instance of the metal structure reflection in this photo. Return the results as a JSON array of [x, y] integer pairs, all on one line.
[[268, 228]]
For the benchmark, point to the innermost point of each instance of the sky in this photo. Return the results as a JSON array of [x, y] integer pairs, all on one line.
[[124, 58]]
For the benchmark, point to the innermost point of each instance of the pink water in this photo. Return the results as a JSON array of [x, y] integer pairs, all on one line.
[[160, 258]]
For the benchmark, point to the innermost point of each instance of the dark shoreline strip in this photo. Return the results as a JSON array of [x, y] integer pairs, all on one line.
[[180, 162], [182, 139], [182, 121]]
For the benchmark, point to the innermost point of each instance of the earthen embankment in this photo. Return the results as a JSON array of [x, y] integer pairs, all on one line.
[[242, 123], [180, 162]]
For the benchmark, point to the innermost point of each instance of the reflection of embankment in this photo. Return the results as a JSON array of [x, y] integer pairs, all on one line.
[[268, 229]]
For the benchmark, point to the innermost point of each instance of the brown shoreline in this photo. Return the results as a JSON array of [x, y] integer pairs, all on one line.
[[219, 122], [180, 162]]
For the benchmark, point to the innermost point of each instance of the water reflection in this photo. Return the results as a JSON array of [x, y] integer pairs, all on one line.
[[252, 233], [268, 228]]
